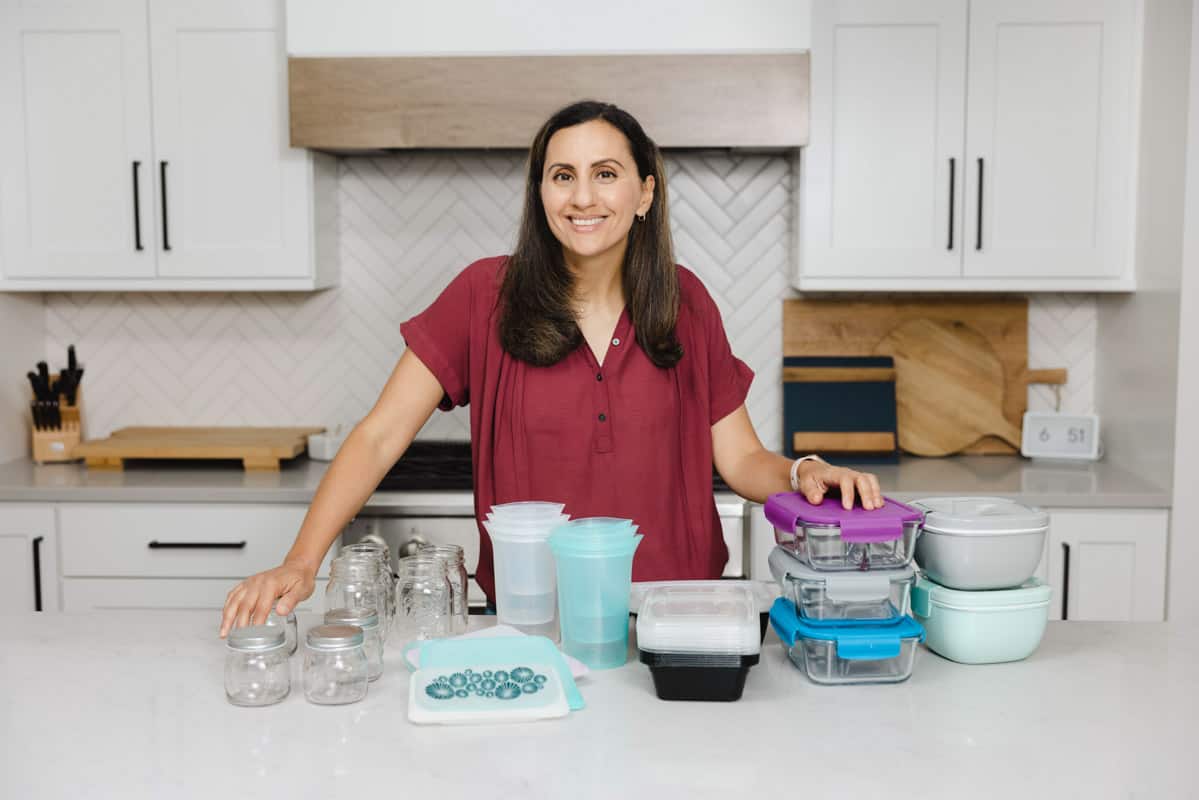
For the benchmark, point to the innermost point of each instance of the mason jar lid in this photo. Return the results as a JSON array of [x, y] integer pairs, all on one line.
[[335, 637], [255, 638], [362, 617]]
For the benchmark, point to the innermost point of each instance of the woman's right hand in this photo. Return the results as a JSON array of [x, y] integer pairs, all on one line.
[[250, 602]]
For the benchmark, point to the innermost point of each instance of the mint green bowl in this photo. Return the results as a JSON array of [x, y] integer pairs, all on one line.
[[982, 627]]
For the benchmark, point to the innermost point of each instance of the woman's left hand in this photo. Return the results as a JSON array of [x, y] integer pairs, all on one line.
[[816, 478]]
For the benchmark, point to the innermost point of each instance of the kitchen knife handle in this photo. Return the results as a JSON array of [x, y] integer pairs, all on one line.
[[1066, 581], [978, 227], [157, 545], [953, 162], [137, 208], [37, 573], [162, 180]]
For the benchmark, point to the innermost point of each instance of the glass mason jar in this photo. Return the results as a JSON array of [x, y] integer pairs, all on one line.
[[372, 635], [335, 667], [290, 629], [379, 551], [455, 566], [256, 671], [422, 598], [354, 582]]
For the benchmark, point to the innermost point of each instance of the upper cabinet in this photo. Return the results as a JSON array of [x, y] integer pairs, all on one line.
[[145, 146], [971, 146]]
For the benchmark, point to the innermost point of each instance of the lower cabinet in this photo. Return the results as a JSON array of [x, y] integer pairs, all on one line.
[[28, 558], [160, 594]]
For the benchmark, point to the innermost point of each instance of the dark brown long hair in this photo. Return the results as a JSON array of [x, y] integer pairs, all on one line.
[[536, 319]]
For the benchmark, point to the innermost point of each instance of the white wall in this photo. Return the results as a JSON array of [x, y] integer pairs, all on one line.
[[22, 343], [1137, 344], [1182, 597], [419, 27]]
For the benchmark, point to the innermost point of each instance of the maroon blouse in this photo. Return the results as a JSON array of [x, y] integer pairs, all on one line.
[[624, 439]]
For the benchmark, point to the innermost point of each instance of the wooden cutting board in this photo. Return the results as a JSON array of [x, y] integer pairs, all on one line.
[[256, 448], [856, 327]]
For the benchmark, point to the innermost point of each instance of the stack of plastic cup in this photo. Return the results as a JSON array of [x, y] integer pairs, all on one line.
[[525, 579], [594, 556]]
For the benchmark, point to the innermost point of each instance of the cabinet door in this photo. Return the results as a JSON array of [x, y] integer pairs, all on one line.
[[1108, 564], [234, 196], [1049, 139], [161, 594], [28, 564], [882, 175], [75, 143]]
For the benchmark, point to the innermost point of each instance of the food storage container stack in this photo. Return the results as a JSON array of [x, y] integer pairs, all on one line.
[[526, 589], [846, 580], [977, 597]]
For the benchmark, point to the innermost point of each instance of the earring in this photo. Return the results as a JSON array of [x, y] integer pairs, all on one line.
[[641, 218]]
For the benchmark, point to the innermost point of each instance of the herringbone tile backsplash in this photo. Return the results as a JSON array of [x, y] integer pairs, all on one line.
[[409, 223]]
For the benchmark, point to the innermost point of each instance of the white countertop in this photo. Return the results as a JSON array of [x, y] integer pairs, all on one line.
[[132, 705], [1048, 484]]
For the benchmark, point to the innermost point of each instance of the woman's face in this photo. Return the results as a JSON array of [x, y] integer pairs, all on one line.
[[591, 190]]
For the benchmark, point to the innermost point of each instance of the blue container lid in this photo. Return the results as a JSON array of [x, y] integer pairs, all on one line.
[[854, 642]]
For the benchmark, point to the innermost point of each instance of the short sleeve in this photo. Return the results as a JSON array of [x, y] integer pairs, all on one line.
[[729, 377], [440, 336]]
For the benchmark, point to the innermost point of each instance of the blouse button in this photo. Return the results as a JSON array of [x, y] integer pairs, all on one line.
[[599, 376], [616, 342], [602, 418]]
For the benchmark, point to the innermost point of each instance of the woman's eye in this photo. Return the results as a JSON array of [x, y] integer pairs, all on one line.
[[561, 175], [607, 173]]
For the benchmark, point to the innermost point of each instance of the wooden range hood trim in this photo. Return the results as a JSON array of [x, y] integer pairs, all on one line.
[[757, 100]]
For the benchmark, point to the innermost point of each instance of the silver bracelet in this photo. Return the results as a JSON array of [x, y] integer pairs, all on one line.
[[795, 469]]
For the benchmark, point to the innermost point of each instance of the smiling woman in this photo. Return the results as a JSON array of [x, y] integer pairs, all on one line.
[[597, 372]]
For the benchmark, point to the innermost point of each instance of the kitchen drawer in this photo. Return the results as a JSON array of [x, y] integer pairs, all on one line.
[[144, 540], [161, 594]]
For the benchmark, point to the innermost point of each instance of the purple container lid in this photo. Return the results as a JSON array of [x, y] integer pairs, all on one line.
[[787, 509]]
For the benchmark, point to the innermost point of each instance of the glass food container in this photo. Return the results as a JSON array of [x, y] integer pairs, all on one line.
[[876, 595], [356, 582], [372, 635], [846, 654], [335, 665], [256, 670], [827, 537], [388, 580], [455, 566], [423, 598]]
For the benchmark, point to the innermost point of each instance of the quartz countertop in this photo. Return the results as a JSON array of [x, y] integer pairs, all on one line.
[[132, 705], [1049, 484]]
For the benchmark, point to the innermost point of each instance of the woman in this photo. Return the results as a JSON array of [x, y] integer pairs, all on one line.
[[597, 371]]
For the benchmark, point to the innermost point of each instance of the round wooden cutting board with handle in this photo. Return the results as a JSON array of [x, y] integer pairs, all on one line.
[[948, 387]]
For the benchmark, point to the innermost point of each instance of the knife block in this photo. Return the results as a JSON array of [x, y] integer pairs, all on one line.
[[54, 446]]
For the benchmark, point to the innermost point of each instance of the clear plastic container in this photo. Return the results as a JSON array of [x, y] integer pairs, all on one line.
[[594, 584], [372, 635], [699, 641], [881, 653], [335, 665], [876, 595], [827, 537], [455, 570], [256, 671]]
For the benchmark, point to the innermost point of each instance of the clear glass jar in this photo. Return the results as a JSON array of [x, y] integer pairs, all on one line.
[[335, 667], [355, 582], [422, 598], [455, 567], [372, 635], [379, 551], [256, 671], [290, 629]]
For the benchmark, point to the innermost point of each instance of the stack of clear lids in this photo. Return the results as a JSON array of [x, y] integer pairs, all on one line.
[[526, 594], [846, 579]]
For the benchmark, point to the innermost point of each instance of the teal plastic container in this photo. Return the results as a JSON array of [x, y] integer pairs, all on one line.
[[982, 627], [595, 578]]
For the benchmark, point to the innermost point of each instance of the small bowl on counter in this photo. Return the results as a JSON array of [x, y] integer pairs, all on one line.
[[699, 639], [974, 543], [827, 537], [877, 595], [982, 627]]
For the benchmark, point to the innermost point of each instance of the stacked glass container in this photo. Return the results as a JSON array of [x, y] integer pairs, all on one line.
[[846, 579]]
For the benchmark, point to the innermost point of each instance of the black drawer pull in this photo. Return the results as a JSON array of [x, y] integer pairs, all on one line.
[[162, 180], [37, 573], [157, 545], [137, 208]]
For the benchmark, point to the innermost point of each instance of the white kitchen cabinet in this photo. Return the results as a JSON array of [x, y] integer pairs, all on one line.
[[161, 594], [967, 145], [145, 147], [28, 558]]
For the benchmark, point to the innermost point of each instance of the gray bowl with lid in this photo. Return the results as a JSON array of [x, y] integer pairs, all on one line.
[[977, 543]]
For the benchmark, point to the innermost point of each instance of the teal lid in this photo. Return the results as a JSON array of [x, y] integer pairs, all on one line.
[[854, 642], [927, 593]]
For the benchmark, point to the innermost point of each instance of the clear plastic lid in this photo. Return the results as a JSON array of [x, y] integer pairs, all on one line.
[[710, 618], [985, 516]]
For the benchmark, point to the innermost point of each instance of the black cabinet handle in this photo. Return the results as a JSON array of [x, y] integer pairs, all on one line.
[[37, 573], [1066, 582], [137, 208], [157, 545], [162, 180], [978, 228], [953, 163]]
